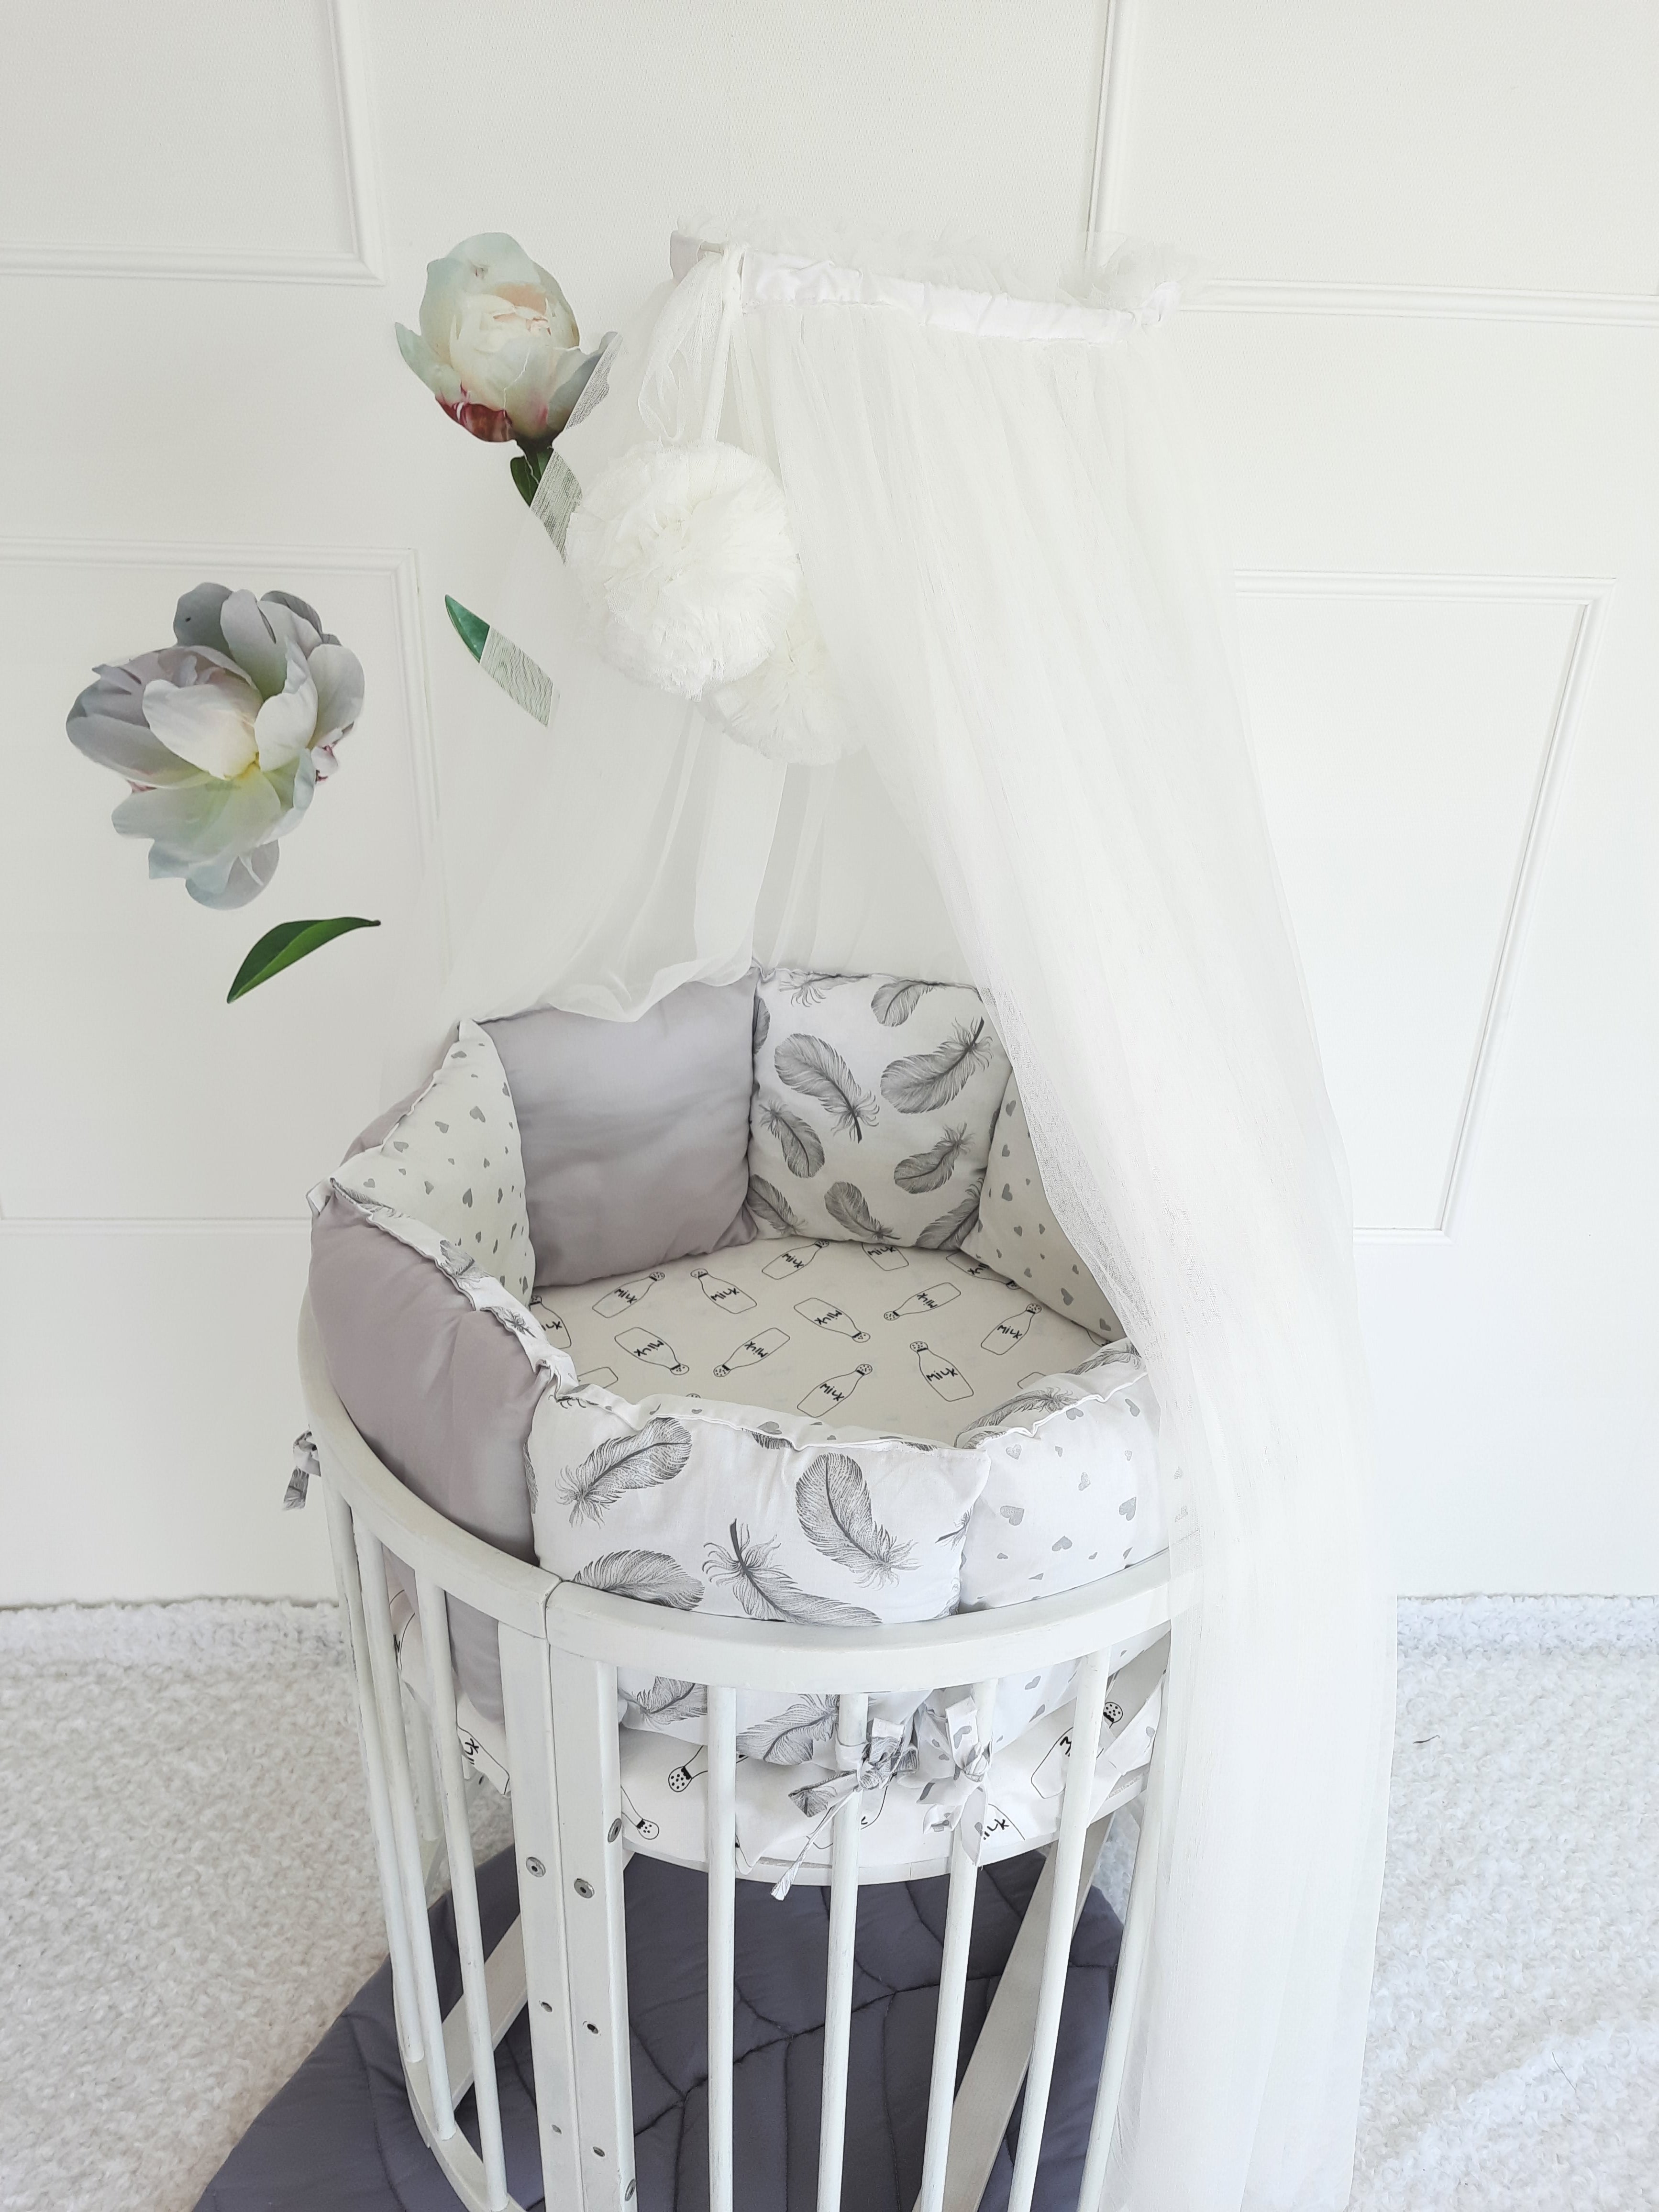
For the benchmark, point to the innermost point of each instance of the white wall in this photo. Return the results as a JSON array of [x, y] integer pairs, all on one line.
[[1426, 369]]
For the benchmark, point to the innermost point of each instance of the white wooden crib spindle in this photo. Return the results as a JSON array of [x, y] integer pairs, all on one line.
[[1068, 1866], [464, 1889], [852, 1720], [380, 1802], [388, 1691], [590, 1845], [527, 1704], [722, 1934], [1125, 1989], [953, 1985]]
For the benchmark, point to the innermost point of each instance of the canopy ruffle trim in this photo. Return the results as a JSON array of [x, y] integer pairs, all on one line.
[[1102, 301]]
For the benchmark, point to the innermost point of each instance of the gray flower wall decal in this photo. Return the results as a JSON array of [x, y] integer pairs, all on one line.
[[223, 736]]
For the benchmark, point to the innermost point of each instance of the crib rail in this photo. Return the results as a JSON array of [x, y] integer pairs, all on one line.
[[565, 1957]]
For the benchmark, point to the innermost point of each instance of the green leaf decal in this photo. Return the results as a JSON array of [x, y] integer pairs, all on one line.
[[529, 467], [280, 947], [472, 630]]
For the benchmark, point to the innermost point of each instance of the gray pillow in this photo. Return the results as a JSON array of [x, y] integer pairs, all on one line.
[[636, 1134], [439, 1390]]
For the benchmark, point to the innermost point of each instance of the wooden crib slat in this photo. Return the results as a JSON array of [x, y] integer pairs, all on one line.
[[379, 1803], [1068, 1864], [722, 1934], [527, 1705], [952, 1987], [388, 1691], [1125, 1989], [851, 1723], [463, 1886], [592, 1857]]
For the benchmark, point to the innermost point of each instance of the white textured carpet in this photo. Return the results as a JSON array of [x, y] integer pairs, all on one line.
[[187, 1898]]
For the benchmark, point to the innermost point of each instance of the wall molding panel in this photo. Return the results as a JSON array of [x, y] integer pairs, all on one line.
[[362, 263], [1588, 599], [1108, 175]]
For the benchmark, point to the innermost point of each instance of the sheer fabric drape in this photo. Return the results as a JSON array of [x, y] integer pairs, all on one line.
[[1003, 551]]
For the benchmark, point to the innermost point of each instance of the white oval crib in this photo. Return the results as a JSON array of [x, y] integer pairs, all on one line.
[[560, 1648]]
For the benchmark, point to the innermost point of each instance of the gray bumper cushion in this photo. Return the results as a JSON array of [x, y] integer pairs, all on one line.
[[340, 2137]]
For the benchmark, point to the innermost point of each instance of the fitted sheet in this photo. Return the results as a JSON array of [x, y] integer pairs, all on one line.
[[873, 1339]]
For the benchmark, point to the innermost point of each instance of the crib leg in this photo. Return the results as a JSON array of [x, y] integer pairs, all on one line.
[[589, 1830], [527, 1699]]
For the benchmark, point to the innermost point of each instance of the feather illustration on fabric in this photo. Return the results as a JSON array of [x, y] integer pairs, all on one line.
[[948, 1230], [792, 1260], [771, 1209], [818, 1071], [928, 1171], [802, 1731], [760, 1028], [895, 1003], [1019, 1410], [813, 984], [651, 1576], [844, 1202], [823, 1398], [768, 1592], [1007, 1333], [665, 1700], [939, 1374], [726, 1295], [927, 1081], [832, 1504], [626, 1295], [638, 1461], [927, 1301], [798, 1140], [753, 1350], [822, 1315], [644, 1344]]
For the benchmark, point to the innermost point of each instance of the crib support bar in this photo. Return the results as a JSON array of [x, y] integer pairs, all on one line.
[[590, 1832], [463, 1887], [388, 1691], [341, 1544], [722, 1936], [527, 1703], [1125, 1989], [852, 1722], [952, 1987], [1068, 1863]]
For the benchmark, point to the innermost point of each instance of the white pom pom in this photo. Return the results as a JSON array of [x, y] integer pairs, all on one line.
[[791, 708], [686, 569]]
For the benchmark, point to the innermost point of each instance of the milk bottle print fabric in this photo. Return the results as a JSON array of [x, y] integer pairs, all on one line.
[[917, 1343], [874, 1098]]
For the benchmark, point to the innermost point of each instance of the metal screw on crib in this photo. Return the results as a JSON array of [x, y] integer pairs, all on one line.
[[535, 1866], [583, 1888]]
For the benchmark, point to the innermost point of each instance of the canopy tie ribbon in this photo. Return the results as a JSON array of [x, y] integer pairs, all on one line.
[[958, 1800], [889, 1751], [306, 1465]]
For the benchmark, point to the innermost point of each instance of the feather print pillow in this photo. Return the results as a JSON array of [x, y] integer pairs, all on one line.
[[722, 1509], [873, 1103]]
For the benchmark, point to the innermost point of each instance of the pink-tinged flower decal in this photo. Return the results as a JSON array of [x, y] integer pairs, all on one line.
[[222, 736], [498, 344]]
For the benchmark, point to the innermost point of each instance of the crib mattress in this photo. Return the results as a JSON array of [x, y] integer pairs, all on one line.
[[866, 1336]]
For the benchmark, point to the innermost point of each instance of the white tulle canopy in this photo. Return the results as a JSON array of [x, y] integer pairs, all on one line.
[[1018, 647]]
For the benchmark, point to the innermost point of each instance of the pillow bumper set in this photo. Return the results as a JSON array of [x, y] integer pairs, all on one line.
[[754, 1306]]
